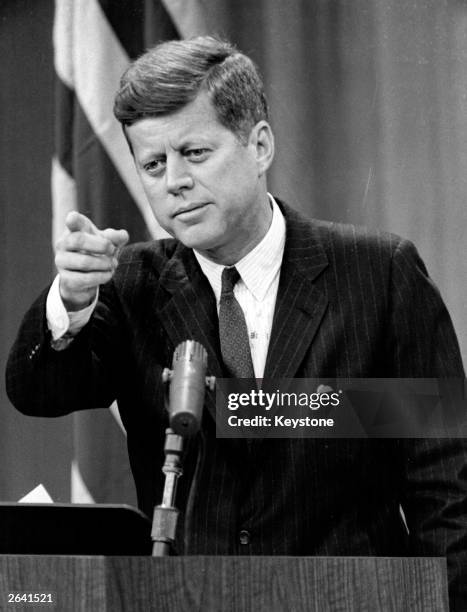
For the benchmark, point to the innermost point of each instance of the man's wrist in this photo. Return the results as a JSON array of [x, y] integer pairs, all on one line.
[[62, 322], [78, 301]]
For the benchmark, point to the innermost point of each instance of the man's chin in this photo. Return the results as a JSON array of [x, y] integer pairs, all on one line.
[[196, 240]]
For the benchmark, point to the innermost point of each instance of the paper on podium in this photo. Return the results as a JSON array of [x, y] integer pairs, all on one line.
[[38, 495]]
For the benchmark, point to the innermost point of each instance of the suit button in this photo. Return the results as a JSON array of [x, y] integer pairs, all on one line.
[[244, 537]]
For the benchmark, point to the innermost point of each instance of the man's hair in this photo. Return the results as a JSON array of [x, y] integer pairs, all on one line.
[[170, 75]]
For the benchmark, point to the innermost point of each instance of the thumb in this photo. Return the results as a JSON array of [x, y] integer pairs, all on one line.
[[117, 237], [76, 222]]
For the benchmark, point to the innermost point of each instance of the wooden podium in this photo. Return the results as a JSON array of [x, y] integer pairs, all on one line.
[[205, 584]]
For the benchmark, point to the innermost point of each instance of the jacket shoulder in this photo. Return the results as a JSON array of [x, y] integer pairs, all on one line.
[[339, 236], [352, 238], [349, 249]]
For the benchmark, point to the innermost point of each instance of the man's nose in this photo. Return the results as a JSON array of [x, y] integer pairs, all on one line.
[[178, 176]]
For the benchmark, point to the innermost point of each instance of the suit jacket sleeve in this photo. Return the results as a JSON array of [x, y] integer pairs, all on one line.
[[424, 344], [41, 381]]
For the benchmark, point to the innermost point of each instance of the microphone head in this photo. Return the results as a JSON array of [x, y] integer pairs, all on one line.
[[190, 351], [187, 387]]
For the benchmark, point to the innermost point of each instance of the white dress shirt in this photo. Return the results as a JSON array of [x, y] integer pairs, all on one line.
[[256, 293]]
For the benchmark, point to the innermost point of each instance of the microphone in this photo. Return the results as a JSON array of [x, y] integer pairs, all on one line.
[[188, 383]]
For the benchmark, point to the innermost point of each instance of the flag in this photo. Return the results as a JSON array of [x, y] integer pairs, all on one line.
[[93, 172]]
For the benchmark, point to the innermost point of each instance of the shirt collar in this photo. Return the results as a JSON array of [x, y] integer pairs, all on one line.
[[259, 267]]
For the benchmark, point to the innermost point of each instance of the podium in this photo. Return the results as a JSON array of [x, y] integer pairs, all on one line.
[[240, 584], [91, 582]]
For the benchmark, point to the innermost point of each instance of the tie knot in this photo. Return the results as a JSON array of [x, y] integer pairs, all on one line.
[[230, 277]]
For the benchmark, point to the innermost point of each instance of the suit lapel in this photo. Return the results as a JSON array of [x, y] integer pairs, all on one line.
[[300, 305]]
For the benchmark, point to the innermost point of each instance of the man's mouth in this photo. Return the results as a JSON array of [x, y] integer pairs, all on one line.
[[189, 209]]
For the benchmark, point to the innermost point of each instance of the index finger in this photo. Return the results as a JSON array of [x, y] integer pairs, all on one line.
[[87, 243]]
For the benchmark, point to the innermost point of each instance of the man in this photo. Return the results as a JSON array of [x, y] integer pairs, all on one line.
[[312, 300]]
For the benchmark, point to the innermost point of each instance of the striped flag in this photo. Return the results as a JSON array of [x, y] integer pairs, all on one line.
[[93, 172]]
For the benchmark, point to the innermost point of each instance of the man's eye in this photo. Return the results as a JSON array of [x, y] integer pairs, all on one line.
[[155, 166], [196, 154]]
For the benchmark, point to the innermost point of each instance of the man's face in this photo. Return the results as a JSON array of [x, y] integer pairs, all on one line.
[[205, 187]]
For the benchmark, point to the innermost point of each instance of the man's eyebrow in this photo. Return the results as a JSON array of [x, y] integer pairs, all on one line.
[[195, 138], [152, 152]]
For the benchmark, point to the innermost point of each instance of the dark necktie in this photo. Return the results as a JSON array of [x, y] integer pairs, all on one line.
[[233, 333]]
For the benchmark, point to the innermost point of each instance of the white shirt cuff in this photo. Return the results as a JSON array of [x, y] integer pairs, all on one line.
[[59, 321]]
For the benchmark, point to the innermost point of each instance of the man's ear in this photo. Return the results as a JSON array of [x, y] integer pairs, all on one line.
[[262, 138]]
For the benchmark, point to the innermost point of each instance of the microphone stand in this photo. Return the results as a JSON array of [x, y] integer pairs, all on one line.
[[164, 523], [185, 388]]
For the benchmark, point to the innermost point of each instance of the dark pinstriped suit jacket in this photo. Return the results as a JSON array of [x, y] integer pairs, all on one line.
[[349, 304]]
